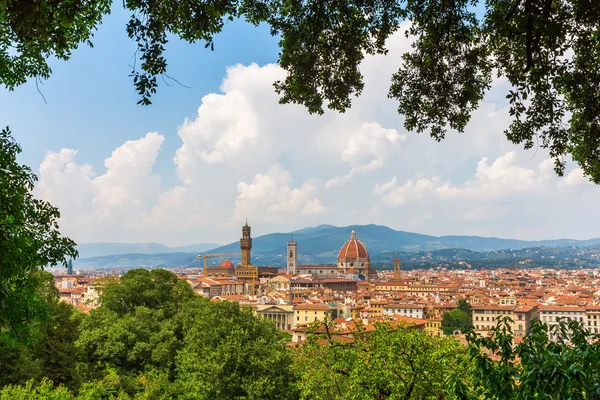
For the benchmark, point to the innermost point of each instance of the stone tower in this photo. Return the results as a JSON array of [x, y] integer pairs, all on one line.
[[246, 245], [396, 268], [292, 256]]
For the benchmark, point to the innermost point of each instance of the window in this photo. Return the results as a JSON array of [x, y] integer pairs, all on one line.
[[520, 317], [520, 327]]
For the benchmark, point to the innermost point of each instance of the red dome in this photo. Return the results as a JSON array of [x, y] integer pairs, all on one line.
[[226, 264], [353, 250]]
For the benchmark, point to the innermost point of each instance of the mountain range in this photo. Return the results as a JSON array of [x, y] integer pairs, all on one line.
[[315, 245]]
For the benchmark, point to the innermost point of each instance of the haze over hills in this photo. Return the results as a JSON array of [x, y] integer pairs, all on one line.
[[99, 249], [318, 244]]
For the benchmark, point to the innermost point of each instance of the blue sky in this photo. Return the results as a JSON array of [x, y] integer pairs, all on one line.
[[192, 166], [92, 102]]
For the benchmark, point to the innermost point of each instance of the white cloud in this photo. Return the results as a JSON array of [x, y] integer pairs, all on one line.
[[271, 193], [367, 150], [244, 155]]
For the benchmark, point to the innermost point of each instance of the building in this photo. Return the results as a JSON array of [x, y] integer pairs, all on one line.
[[434, 327], [280, 283], [225, 270], [282, 315], [292, 257], [486, 316], [354, 254], [307, 313], [327, 283], [407, 310], [246, 271], [551, 315], [592, 316], [212, 287]]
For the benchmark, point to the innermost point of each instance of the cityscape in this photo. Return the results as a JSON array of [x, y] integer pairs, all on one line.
[[300, 200], [349, 289]]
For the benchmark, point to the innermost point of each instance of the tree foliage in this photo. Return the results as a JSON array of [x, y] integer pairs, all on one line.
[[389, 362], [50, 352], [29, 241], [536, 368], [547, 50], [243, 357], [456, 320]]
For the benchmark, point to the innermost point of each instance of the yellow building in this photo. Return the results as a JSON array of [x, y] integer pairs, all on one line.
[[434, 327], [307, 313]]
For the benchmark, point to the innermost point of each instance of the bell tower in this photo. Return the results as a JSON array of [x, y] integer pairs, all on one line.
[[246, 245], [396, 268], [292, 256]]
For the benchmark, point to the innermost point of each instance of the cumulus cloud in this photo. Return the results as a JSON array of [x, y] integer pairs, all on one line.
[[271, 192], [244, 155], [108, 202], [367, 150]]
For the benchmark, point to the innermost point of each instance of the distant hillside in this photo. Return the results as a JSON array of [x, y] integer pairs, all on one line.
[[326, 240], [87, 250], [321, 244]]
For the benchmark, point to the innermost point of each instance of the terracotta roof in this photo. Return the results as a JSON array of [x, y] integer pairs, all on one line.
[[352, 250]]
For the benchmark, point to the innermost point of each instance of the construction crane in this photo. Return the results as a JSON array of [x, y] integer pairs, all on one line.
[[207, 256]]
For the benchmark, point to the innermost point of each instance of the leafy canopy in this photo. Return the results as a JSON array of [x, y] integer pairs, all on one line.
[[29, 241], [548, 51], [389, 362], [536, 368]]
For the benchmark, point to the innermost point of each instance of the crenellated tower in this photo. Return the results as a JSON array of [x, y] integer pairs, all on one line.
[[246, 245]]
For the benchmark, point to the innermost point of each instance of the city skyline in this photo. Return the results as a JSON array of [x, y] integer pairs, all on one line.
[[119, 172]]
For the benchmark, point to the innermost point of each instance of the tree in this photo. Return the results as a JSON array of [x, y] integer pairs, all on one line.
[[456, 320], [545, 49], [534, 369], [465, 307], [29, 241], [156, 289], [50, 353], [135, 330], [388, 362], [229, 353]]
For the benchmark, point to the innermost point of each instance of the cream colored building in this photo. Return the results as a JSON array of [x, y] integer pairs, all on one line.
[[282, 315], [307, 313], [280, 283], [551, 315], [485, 317], [407, 310]]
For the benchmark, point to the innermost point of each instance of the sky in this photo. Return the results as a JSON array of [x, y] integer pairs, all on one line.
[[195, 164]]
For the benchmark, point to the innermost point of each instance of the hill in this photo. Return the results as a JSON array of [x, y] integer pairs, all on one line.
[[321, 244], [99, 249]]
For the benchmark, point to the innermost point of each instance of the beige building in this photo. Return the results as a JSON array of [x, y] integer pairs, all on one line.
[[407, 310], [208, 287], [280, 283], [485, 317], [592, 317], [552, 314], [307, 313], [281, 315]]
